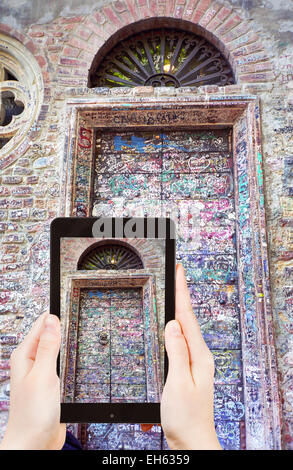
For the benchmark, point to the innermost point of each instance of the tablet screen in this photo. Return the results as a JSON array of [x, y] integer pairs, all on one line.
[[112, 315]]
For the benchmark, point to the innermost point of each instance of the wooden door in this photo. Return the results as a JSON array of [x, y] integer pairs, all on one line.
[[110, 363], [187, 175]]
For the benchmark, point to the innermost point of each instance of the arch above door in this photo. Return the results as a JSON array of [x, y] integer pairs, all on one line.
[[243, 116]]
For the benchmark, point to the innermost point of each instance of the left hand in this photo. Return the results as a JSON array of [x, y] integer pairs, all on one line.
[[34, 415]]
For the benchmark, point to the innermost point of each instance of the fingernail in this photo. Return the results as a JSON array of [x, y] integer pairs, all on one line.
[[50, 322], [174, 328]]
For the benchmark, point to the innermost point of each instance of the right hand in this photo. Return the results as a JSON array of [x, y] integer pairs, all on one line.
[[187, 405]]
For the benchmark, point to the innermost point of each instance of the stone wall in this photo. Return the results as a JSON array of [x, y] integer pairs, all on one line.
[[255, 36]]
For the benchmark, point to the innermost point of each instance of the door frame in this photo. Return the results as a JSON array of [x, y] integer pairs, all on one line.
[[125, 110], [68, 359]]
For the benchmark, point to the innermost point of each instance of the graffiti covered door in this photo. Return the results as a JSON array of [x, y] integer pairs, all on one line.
[[187, 175], [110, 365]]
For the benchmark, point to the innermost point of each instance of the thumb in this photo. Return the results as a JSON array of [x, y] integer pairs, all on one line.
[[177, 351], [49, 345]]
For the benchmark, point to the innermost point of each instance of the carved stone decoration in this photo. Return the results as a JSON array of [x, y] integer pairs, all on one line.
[[163, 57], [21, 94]]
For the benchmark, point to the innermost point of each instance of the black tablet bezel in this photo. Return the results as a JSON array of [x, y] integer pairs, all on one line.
[[109, 412]]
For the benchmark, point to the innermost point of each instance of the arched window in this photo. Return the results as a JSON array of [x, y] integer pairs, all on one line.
[[161, 57], [110, 255]]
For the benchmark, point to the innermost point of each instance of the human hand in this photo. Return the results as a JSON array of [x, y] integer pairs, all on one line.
[[187, 405], [34, 415]]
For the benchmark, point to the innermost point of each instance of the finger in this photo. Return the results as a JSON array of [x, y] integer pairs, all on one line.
[[177, 350], [23, 356], [49, 345], [146, 427], [200, 355]]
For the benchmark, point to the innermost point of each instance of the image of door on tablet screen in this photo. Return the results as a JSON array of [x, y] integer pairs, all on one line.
[[112, 320]]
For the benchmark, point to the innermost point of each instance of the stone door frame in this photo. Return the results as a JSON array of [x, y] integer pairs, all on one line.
[[106, 280], [242, 113]]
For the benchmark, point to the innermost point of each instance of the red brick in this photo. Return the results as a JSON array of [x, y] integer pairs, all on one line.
[[88, 57], [100, 19], [236, 32], [257, 67], [5, 27], [257, 77], [132, 8], [5, 203], [120, 6], [178, 12], [7, 179], [11, 249], [111, 15], [54, 57], [40, 203], [5, 364], [8, 259], [97, 29], [46, 77], [170, 7], [258, 56], [153, 7], [145, 12], [209, 14], [4, 191], [72, 19], [28, 202], [249, 49], [80, 73], [80, 44], [72, 62], [231, 23], [224, 13], [71, 51], [68, 27], [31, 46], [37, 34], [241, 41], [83, 33], [41, 61], [219, 18], [190, 9], [20, 214], [69, 82], [108, 28], [22, 190], [54, 48], [50, 41], [200, 10], [126, 18]]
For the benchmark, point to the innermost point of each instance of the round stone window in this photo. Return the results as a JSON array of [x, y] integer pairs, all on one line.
[[21, 93]]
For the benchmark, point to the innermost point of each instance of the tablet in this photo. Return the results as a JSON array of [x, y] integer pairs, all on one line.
[[112, 284]]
